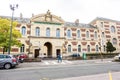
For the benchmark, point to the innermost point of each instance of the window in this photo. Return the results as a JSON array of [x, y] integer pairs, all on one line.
[[97, 48], [101, 24], [104, 48], [78, 33], [95, 35], [48, 32], [37, 31], [79, 48], [69, 48], [88, 48], [58, 33], [112, 29], [68, 33], [103, 35], [87, 34], [114, 41], [22, 49], [23, 30]]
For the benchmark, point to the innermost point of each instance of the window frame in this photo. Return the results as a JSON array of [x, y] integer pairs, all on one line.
[[68, 33], [23, 31], [57, 32], [69, 48], [47, 32], [37, 31]]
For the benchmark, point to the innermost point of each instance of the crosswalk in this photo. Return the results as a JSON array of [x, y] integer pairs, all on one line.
[[55, 62]]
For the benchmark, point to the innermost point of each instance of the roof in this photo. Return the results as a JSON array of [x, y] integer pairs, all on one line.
[[81, 25], [104, 19], [20, 20]]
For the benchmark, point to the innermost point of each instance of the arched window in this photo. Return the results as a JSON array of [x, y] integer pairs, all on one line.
[[97, 48], [87, 34], [23, 31], [112, 29], [69, 48], [58, 33], [103, 35], [68, 33], [88, 48], [78, 33], [79, 48], [37, 31], [22, 48], [48, 32], [95, 35], [114, 41]]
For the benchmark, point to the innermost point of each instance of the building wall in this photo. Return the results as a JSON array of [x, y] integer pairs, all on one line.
[[50, 46], [104, 26], [74, 41]]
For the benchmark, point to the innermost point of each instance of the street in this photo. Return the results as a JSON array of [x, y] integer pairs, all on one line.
[[59, 71]]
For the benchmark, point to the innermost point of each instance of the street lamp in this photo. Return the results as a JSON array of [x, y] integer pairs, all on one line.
[[12, 7]]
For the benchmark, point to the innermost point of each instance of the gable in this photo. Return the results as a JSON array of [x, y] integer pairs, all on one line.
[[47, 18]]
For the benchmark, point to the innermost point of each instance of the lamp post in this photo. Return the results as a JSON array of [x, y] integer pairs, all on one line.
[[12, 7]]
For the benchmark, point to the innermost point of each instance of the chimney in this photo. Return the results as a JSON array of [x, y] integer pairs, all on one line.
[[77, 22], [21, 16], [32, 15]]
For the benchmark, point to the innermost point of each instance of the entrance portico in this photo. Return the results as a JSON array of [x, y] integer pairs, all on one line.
[[48, 49]]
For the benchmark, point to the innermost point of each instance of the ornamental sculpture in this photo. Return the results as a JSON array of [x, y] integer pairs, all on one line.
[[48, 16]]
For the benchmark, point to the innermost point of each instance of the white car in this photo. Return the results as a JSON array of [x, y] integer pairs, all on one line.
[[117, 57]]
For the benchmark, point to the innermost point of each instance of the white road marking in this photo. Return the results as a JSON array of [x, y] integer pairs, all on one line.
[[54, 62], [47, 63]]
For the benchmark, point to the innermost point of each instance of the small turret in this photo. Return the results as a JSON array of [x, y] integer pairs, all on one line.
[[77, 22]]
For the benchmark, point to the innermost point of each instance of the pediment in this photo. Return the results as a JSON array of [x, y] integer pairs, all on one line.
[[48, 17]]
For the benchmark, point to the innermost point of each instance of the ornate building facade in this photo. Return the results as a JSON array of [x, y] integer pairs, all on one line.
[[48, 35]]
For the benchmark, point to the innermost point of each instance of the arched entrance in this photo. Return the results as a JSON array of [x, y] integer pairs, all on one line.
[[48, 49]]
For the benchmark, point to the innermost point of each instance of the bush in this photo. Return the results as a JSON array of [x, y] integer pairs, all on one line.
[[32, 60], [99, 55]]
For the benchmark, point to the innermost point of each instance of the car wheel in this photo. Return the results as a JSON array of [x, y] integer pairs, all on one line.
[[7, 66]]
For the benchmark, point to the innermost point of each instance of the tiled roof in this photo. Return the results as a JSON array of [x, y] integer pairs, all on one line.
[[70, 24], [101, 18], [106, 19], [20, 20]]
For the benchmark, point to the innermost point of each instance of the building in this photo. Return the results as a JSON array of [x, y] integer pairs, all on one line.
[[47, 35]]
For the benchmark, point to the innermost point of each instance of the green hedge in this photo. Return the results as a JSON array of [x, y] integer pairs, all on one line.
[[99, 55]]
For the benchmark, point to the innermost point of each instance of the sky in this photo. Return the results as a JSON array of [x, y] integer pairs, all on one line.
[[68, 10]]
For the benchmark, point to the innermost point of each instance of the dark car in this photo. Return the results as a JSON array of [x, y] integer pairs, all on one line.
[[7, 61], [75, 55]]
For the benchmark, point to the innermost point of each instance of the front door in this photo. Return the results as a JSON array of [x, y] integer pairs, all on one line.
[[57, 52], [36, 53]]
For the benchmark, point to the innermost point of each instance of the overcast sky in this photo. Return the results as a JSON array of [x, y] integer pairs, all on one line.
[[68, 10]]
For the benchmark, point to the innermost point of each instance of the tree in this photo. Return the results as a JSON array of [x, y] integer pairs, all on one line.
[[109, 47], [5, 34]]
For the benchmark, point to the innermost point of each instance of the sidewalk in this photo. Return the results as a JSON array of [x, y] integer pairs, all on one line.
[[105, 76], [64, 62]]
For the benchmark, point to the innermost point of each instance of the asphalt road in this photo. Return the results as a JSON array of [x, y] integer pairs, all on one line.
[[56, 72]]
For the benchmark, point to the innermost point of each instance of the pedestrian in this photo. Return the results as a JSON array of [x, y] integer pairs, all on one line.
[[59, 58]]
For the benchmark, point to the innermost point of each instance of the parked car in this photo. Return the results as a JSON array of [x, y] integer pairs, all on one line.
[[75, 55], [7, 61], [21, 57], [117, 57]]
